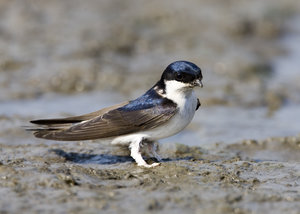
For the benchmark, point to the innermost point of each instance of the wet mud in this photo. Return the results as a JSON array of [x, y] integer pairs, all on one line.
[[246, 177]]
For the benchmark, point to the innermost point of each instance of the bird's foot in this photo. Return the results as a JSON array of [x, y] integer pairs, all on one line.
[[151, 150], [157, 157], [149, 165]]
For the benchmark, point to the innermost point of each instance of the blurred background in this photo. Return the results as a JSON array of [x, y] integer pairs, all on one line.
[[61, 58]]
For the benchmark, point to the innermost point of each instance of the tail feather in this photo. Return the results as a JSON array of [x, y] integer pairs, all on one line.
[[55, 121], [48, 128], [58, 128]]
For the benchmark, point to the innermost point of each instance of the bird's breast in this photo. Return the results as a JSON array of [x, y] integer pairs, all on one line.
[[186, 111]]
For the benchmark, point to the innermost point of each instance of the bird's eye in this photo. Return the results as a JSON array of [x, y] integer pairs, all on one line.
[[178, 76]]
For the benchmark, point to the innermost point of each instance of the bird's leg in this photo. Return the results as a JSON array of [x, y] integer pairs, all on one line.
[[150, 148], [137, 156], [153, 148]]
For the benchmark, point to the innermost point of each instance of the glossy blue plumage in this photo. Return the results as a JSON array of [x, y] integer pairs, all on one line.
[[181, 66], [182, 71], [150, 99]]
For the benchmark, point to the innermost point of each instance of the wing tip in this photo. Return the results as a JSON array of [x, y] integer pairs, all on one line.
[[46, 134]]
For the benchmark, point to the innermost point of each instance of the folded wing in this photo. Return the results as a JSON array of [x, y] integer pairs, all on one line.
[[108, 122]]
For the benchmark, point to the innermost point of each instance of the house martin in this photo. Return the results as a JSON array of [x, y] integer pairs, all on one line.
[[164, 110]]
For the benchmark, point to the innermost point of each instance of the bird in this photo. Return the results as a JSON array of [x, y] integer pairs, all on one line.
[[164, 110]]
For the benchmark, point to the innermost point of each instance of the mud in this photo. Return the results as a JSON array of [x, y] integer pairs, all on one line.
[[239, 155], [247, 177]]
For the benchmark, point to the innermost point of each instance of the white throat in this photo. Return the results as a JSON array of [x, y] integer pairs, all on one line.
[[178, 92]]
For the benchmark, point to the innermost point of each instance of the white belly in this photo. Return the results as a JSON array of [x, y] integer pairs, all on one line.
[[178, 122]]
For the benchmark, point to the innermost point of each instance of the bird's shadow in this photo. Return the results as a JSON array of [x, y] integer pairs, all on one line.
[[104, 159], [84, 158]]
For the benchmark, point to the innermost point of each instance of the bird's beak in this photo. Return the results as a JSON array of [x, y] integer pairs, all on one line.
[[198, 83]]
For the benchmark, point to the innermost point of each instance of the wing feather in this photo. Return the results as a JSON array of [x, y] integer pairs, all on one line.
[[114, 122], [77, 119]]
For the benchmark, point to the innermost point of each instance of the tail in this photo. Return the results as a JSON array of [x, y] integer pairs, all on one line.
[[65, 129], [51, 128]]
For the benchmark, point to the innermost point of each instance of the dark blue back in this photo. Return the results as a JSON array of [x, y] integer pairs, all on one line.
[[149, 100]]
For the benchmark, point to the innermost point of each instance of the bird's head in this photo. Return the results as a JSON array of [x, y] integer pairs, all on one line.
[[182, 76]]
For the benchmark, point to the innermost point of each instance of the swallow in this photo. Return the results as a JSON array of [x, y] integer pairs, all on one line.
[[164, 110]]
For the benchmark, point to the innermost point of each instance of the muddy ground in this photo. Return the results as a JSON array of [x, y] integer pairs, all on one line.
[[247, 177], [241, 153]]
